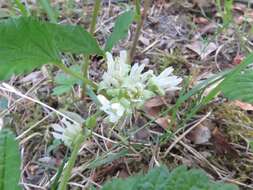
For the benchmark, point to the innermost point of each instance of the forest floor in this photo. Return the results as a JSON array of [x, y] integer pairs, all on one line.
[[191, 37]]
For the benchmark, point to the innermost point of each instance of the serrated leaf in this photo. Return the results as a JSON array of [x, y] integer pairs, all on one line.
[[120, 29], [74, 39], [160, 178], [27, 43], [240, 87], [9, 161], [238, 84]]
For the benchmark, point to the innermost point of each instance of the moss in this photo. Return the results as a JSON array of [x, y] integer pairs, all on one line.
[[234, 121], [176, 60]]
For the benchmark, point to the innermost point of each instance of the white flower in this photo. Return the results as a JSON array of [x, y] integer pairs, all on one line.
[[135, 84], [166, 81], [67, 133], [117, 70], [114, 110], [129, 87]]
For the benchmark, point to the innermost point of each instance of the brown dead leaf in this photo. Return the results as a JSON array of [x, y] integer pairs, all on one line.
[[200, 135], [202, 49], [200, 20], [163, 122], [153, 106], [221, 144], [240, 7], [244, 106]]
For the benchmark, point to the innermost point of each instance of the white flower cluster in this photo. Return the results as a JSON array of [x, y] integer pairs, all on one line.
[[67, 133], [129, 87]]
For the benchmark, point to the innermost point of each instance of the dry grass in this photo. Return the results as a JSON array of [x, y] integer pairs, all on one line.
[[168, 30]]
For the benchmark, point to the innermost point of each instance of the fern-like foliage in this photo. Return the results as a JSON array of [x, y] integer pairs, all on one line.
[[27, 43], [161, 179], [9, 161]]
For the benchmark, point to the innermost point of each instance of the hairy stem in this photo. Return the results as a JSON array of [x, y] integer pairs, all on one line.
[[86, 58], [94, 16], [70, 164], [139, 26]]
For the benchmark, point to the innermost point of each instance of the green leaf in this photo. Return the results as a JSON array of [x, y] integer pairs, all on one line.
[[160, 178], [120, 30], [238, 84], [64, 83], [74, 39], [240, 87], [91, 122], [9, 161], [27, 43]]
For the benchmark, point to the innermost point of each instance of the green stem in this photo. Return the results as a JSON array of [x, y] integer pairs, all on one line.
[[94, 16], [76, 75], [86, 58], [85, 70], [139, 26], [67, 170]]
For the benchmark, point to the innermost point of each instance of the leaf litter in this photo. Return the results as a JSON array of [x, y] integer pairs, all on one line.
[[215, 146]]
